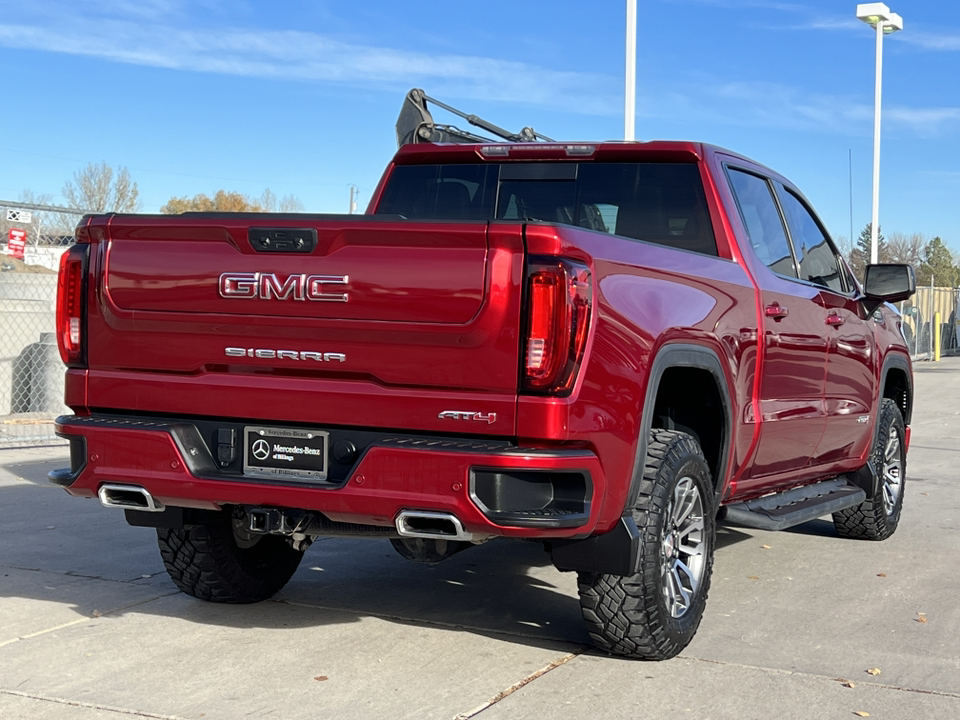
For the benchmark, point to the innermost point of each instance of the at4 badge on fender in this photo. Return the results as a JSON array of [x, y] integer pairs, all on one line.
[[488, 418]]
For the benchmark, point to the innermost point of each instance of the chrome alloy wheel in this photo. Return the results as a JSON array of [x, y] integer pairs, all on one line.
[[683, 547], [892, 469]]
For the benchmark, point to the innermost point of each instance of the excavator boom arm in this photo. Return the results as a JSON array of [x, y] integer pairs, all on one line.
[[416, 125]]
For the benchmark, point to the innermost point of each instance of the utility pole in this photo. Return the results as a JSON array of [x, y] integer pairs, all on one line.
[[353, 199], [879, 17], [850, 169]]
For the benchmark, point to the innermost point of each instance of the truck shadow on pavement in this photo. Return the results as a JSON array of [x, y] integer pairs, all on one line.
[[62, 557], [85, 559]]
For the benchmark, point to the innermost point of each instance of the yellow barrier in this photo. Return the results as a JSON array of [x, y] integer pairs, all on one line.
[[936, 336]]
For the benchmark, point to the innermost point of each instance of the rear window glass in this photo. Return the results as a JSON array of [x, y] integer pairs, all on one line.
[[661, 203], [441, 192]]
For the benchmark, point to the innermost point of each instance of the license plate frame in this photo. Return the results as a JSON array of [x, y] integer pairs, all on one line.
[[296, 454]]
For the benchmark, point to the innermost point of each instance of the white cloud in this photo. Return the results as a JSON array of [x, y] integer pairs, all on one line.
[[947, 174], [736, 4], [148, 32], [306, 56], [765, 104], [833, 23], [931, 41], [808, 18], [925, 120]]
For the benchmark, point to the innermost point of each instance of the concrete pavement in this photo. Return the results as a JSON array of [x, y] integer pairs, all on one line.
[[91, 628]]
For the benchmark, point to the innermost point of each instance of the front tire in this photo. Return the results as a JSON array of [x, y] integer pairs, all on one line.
[[655, 613], [877, 517], [217, 561]]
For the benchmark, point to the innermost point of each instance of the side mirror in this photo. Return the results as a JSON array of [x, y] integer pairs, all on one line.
[[888, 283]]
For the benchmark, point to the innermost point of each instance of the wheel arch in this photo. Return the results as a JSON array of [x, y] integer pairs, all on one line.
[[617, 551], [896, 383], [678, 371]]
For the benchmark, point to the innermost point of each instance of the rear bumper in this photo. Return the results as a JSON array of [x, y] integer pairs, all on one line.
[[485, 484]]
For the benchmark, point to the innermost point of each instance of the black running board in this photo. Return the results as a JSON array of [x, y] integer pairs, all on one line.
[[793, 507]]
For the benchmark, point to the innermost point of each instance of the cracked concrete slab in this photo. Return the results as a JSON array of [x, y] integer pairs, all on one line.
[[22, 706], [32, 602], [687, 687], [46, 529], [181, 657]]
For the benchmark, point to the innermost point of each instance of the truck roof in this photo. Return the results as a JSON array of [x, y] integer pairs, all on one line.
[[608, 151]]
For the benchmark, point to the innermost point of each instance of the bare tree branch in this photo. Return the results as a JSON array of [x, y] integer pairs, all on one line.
[[96, 188]]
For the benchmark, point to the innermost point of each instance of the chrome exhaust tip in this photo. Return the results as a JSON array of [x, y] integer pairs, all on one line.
[[430, 524], [128, 497]]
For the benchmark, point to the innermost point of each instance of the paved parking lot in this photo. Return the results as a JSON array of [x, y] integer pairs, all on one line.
[[91, 628]]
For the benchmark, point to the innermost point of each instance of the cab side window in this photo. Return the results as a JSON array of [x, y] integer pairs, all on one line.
[[818, 261], [760, 214]]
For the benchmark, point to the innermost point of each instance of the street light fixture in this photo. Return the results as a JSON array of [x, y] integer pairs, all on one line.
[[879, 17]]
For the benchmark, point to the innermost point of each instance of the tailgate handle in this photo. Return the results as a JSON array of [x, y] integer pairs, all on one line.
[[283, 240]]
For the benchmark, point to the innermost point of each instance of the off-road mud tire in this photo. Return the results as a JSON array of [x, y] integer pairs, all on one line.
[[629, 615], [207, 562], [875, 518]]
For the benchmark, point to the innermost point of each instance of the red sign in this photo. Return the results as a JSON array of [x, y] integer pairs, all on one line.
[[16, 242]]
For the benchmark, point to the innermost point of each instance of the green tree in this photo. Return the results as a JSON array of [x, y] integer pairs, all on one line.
[[938, 267], [859, 256]]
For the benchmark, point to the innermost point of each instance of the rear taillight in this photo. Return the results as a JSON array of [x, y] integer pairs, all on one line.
[[70, 306], [559, 301]]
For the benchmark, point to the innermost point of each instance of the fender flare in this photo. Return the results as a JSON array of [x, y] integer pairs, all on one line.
[[687, 356], [617, 552], [865, 477], [894, 359]]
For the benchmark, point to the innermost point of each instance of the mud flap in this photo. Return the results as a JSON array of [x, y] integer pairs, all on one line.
[[615, 553]]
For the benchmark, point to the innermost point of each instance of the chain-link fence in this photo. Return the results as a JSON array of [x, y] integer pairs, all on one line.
[[31, 372], [32, 239], [920, 328]]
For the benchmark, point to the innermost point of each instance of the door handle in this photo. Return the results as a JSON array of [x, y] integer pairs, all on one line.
[[776, 311], [835, 320]]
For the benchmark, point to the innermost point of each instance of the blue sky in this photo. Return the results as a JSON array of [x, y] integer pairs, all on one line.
[[302, 96]]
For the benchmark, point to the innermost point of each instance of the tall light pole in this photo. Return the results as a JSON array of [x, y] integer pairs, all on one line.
[[630, 95], [879, 17]]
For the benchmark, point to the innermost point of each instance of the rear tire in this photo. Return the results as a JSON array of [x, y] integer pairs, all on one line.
[[218, 562], [655, 613], [877, 517]]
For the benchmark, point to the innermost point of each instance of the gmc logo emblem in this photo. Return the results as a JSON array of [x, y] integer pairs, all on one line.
[[268, 286]]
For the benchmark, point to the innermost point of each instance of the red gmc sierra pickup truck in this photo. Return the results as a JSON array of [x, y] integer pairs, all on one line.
[[604, 347]]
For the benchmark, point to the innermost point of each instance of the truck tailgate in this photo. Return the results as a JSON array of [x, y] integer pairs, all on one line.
[[379, 323]]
